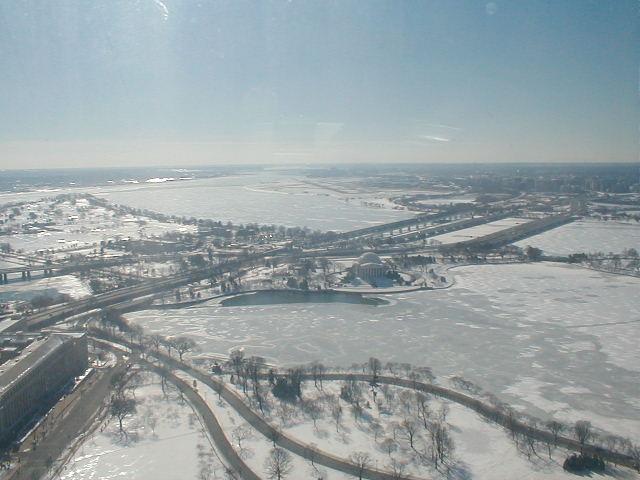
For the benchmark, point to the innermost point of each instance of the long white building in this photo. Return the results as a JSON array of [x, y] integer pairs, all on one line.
[[31, 382]]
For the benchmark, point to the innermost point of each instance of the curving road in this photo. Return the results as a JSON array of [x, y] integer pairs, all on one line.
[[260, 424], [490, 412]]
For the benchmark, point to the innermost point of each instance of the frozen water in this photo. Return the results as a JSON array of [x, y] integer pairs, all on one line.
[[559, 325], [265, 198], [254, 199]]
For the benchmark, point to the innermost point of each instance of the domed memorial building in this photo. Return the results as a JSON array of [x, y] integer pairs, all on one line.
[[369, 266]]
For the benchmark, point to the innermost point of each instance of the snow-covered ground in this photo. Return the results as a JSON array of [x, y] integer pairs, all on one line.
[[79, 224], [165, 441], [478, 231], [254, 447], [482, 450], [64, 284], [552, 339], [586, 236]]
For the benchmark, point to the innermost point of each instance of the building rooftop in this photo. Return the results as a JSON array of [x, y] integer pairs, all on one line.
[[33, 355], [368, 258]]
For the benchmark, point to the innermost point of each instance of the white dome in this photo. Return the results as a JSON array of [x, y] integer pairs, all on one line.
[[369, 258]]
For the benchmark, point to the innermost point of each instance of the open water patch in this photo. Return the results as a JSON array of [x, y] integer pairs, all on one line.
[[277, 297]]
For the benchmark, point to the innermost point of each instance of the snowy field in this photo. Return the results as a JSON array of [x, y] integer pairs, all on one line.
[[81, 225], [478, 231], [482, 450], [254, 448], [587, 236], [64, 284], [551, 339], [165, 441]]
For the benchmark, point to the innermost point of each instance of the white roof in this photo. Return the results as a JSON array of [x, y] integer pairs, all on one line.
[[369, 258]]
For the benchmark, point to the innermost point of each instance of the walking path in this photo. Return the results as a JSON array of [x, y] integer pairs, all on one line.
[[297, 447], [210, 421], [503, 417], [236, 464]]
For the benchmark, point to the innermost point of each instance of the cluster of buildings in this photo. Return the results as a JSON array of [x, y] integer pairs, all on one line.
[[34, 371]]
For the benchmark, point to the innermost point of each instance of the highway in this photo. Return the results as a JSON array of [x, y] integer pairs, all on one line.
[[150, 287]]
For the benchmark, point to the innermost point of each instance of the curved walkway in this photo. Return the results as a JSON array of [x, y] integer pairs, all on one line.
[[210, 421], [261, 425], [504, 418], [489, 412], [285, 441], [379, 291]]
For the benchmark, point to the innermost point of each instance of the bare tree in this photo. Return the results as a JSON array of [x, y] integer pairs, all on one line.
[[136, 332], [442, 445], [314, 410], [151, 420], [127, 379], [156, 341], [285, 412], [406, 402], [240, 434], [529, 436], [613, 442], [389, 445], [121, 407], [165, 373], [422, 406], [168, 344], [183, 345], [374, 368], [351, 390], [397, 469], [279, 464], [582, 431], [336, 413], [415, 378], [410, 429], [391, 367], [236, 359], [634, 452], [357, 411], [443, 412], [362, 461], [387, 392], [426, 373], [230, 474], [556, 428], [377, 429], [317, 370], [119, 383]]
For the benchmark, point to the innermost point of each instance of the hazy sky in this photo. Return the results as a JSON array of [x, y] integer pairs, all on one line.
[[135, 82]]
